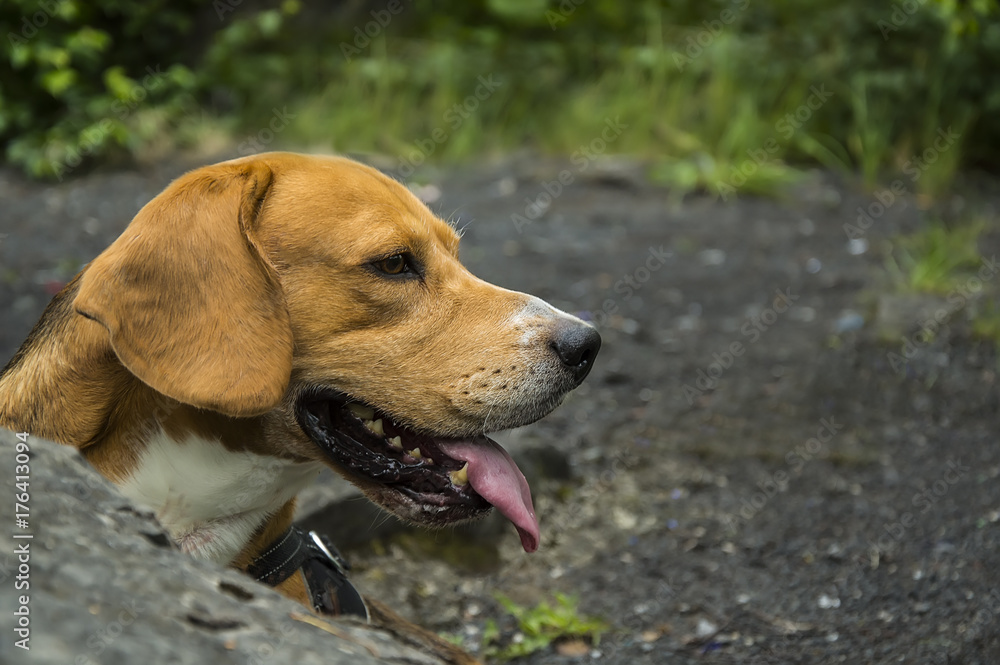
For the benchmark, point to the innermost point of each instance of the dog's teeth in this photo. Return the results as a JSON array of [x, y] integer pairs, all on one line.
[[396, 442], [361, 411], [429, 460], [460, 477], [415, 453], [375, 426]]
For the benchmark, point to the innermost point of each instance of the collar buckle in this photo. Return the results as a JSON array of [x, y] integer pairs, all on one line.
[[331, 553], [323, 567]]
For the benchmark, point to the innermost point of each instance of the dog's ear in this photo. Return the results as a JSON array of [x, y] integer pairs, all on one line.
[[193, 306]]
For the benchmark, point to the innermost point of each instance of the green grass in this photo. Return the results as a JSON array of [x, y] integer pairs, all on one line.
[[871, 130], [718, 124], [381, 104], [539, 627], [937, 258], [986, 323], [703, 135], [715, 122]]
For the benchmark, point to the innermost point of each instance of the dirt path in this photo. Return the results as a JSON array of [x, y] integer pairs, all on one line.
[[744, 478]]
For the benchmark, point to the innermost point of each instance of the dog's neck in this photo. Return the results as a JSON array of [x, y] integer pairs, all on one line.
[[67, 385], [213, 500]]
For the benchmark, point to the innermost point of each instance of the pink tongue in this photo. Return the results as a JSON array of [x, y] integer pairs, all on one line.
[[496, 478]]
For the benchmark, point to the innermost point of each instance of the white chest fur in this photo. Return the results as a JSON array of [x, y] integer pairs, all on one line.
[[211, 499]]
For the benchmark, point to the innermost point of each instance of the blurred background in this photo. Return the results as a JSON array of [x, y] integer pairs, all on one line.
[[699, 83], [782, 217]]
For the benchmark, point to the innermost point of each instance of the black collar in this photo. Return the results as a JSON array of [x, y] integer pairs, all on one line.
[[323, 567]]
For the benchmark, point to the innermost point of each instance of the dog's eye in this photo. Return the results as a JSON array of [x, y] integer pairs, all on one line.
[[394, 265]]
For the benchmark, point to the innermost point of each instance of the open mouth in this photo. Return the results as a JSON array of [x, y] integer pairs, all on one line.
[[443, 480]]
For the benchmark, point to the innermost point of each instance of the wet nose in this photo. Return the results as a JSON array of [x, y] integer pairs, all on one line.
[[577, 345]]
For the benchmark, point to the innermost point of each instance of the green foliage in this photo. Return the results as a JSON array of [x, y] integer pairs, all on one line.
[[935, 259], [718, 94], [986, 327], [986, 323], [88, 79], [453, 638], [73, 90], [539, 627]]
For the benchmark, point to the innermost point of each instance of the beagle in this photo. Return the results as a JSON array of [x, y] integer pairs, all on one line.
[[272, 314]]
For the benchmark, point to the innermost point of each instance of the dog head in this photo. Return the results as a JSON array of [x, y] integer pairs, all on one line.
[[323, 298]]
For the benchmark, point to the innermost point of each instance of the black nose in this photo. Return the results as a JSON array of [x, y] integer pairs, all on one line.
[[577, 345]]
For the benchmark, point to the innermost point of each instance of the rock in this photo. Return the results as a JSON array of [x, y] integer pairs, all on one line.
[[848, 321], [108, 587]]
